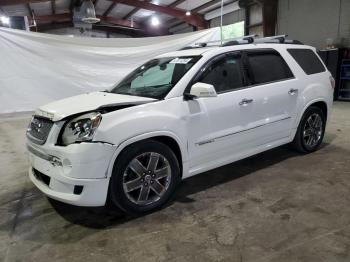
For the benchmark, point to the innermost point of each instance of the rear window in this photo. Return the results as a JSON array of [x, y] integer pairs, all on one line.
[[308, 60], [267, 66]]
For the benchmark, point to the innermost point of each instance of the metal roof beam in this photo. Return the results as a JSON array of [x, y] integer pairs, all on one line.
[[109, 9], [194, 19], [67, 17], [134, 11], [53, 6], [176, 3], [20, 2], [206, 5]]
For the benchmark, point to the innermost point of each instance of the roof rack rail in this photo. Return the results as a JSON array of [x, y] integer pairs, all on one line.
[[275, 39], [281, 39], [249, 39], [198, 45], [241, 40]]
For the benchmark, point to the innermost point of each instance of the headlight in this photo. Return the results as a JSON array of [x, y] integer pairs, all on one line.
[[81, 128]]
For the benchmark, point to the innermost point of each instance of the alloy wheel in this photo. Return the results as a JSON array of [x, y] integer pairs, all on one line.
[[146, 178], [313, 130]]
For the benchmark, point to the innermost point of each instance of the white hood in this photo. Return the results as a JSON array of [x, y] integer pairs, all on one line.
[[87, 102]]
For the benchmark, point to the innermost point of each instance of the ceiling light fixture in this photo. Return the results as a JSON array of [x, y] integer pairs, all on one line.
[[5, 20], [188, 12], [88, 13], [155, 21]]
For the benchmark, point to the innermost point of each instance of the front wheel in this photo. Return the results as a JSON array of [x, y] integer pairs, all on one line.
[[144, 177], [310, 132]]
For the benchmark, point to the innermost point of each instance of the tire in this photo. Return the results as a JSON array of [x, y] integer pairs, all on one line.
[[309, 135], [140, 183]]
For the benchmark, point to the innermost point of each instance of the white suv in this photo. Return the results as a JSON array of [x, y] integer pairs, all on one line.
[[178, 115]]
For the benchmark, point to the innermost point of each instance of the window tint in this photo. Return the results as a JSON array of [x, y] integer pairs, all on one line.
[[308, 60], [267, 66], [224, 74]]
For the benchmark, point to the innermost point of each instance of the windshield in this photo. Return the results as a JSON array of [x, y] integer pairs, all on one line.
[[156, 78]]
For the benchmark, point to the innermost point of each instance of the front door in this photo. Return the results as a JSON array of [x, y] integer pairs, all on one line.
[[213, 121]]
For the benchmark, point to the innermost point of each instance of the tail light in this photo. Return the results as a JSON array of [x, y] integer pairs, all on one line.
[[331, 79]]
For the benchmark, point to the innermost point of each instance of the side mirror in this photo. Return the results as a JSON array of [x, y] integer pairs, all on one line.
[[199, 90]]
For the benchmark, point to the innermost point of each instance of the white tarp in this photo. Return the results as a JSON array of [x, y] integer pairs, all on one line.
[[36, 69]]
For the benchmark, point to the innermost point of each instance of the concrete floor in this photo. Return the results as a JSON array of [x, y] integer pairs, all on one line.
[[277, 206]]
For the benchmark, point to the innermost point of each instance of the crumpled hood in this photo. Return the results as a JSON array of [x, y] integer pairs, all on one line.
[[87, 102]]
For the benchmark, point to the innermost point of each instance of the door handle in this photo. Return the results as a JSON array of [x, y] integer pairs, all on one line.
[[245, 102], [293, 91]]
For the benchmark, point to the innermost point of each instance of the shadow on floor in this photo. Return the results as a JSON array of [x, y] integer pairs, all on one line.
[[108, 216]]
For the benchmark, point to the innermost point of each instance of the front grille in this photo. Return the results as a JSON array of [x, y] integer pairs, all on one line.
[[39, 129], [42, 177]]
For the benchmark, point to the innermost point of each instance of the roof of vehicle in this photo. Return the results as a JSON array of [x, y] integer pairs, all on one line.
[[196, 51], [188, 52]]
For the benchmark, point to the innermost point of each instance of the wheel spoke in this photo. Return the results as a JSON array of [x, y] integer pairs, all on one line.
[[309, 141], [319, 122], [157, 187], [133, 184], [160, 173], [137, 167], [309, 121], [307, 132], [144, 193], [314, 123], [153, 161]]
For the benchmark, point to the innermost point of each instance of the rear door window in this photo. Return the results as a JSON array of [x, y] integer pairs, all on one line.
[[266, 66], [308, 60]]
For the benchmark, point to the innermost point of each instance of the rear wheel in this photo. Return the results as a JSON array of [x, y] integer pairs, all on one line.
[[310, 132], [144, 178]]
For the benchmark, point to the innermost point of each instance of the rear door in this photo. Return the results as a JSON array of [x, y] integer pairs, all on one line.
[[274, 91]]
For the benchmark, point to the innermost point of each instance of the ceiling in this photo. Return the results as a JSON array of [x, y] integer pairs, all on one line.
[[116, 10]]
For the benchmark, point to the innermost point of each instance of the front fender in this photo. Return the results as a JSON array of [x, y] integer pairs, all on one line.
[[127, 126], [132, 140]]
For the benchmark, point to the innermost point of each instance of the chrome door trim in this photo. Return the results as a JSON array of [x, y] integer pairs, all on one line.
[[238, 132]]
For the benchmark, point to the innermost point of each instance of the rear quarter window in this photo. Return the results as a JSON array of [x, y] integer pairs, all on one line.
[[308, 60]]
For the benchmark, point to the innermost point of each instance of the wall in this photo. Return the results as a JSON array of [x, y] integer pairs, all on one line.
[[314, 21], [255, 23], [181, 28], [227, 19]]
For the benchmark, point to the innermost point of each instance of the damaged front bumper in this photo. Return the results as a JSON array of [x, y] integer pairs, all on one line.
[[77, 174]]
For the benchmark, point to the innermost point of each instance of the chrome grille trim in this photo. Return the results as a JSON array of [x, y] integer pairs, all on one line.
[[39, 129]]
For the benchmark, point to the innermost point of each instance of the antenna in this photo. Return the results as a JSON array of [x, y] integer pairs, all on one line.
[[222, 11]]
